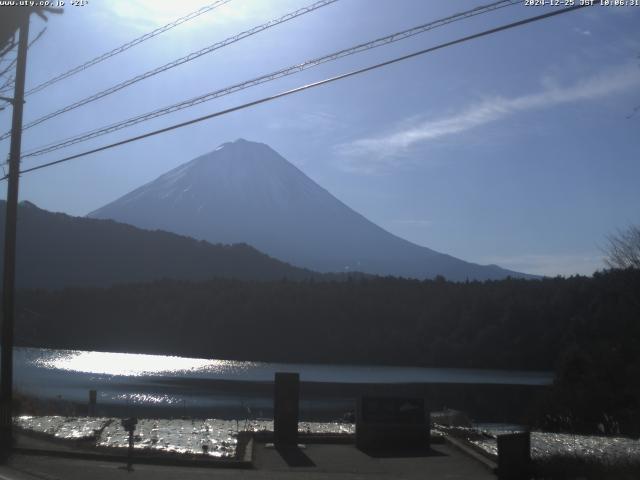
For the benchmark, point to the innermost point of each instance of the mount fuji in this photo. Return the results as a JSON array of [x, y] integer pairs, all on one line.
[[245, 192]]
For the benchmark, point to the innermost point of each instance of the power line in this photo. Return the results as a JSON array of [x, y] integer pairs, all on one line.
[[9, 66], [175, 63], [127, 46], [268, 77], [11, 44], [9, 84], [308, 86]]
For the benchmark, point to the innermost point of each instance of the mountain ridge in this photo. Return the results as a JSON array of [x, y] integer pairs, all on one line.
[[56, 250], [246, 192]]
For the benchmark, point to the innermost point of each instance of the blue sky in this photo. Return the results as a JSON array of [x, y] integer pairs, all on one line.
[[513, 149]]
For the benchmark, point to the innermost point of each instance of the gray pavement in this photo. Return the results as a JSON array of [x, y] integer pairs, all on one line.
[[318, 461]]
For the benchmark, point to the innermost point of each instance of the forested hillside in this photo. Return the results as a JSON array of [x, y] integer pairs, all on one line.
[[497, 324], [57, 250]]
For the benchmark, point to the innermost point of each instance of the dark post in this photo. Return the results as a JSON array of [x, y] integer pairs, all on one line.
[[285, 408], [93, 397], [514, 456], [129, 424], [8, 285], [130, 453]]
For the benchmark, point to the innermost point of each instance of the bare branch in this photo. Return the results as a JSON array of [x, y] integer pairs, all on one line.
[[7, 48], [623, 249], [9, 83], [8, 67]]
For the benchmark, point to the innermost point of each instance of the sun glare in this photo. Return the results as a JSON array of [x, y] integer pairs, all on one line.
[[129, 364], [154, 13]]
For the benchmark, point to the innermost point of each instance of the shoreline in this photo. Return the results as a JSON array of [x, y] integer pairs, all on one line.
[[550, 453], [231, 399]]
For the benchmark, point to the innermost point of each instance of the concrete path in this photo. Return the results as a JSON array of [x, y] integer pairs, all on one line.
[[335, 462]]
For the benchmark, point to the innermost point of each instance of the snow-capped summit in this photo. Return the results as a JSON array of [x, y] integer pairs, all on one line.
[[245, 192]]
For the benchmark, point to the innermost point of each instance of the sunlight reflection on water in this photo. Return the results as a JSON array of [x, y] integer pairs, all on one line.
[[148, 399], [138, 365], [134, 364]]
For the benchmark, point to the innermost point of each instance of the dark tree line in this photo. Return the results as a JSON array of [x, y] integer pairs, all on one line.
[[520, 324]]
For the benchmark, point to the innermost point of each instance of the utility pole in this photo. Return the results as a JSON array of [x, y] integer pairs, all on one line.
[[8, 286]]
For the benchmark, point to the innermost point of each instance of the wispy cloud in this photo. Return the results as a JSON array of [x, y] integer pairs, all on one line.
[[550, 265], [368, 154], [582, 31]]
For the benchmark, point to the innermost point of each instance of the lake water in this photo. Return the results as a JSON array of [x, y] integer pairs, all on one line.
[[178, 382]]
